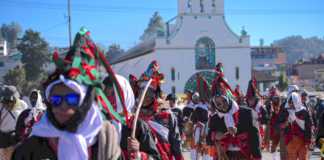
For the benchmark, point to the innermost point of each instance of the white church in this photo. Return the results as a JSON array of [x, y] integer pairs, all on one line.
[[195, 41]]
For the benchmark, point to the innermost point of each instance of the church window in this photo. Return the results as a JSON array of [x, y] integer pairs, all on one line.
[[173, 74], [237, 73], [202, 10], [205, 53], [173, 89], [2, 64], [189, 3]]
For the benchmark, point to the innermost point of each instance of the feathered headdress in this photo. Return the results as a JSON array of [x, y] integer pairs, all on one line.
[[152, 72], [203, 88], [220, 87], [252, 90]]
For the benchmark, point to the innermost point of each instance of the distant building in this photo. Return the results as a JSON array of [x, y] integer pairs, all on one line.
[[3, 48], [306, 69], [265, 80], [194, 42], [267, 63], [319, 79], [267, 58], [310, 71]]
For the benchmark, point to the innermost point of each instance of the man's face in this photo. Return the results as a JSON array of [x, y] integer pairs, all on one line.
[[252, 101], [188, 95], [109, 90], [172, 103], [221, 104], [146, 112], [303, 98], [33, 98], [276, 101], [62, 112], [9, 104]]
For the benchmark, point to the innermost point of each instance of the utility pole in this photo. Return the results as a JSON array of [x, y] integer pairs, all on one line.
[[69, 22]]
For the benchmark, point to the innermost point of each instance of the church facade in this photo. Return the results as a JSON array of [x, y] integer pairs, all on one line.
[[195, 41]]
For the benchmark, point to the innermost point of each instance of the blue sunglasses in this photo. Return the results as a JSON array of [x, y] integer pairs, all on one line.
[[71, 99]]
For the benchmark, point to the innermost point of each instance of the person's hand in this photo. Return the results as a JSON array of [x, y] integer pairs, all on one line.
[[284, 125], [232, 131], [132, 144], [219, 136]]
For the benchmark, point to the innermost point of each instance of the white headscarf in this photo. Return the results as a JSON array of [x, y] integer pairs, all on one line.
[[72, 145], [297, 101], [35, 110], [292, 88], [39, 102], [128, 94], [129, 101], [298, 107], [228, 117]]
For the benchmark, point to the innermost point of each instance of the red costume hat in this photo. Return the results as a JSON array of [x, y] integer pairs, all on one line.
[[252, 90]]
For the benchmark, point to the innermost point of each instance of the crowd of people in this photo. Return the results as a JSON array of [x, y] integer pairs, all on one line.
[[78, 114]]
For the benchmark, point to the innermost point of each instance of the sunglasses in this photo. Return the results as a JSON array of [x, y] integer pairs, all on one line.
[[71, 99]]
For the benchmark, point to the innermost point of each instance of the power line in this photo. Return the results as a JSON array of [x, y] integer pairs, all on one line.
[[142, 10], [83, 7]]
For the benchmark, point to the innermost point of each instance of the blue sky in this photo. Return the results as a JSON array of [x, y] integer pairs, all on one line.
[[123, 21]]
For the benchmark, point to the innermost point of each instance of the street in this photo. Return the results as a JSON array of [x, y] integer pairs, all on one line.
[[267, 156]]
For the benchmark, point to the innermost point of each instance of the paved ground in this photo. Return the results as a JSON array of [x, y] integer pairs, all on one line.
[[266, 156]]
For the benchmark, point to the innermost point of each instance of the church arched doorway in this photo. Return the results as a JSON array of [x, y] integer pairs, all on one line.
[[191, 84]]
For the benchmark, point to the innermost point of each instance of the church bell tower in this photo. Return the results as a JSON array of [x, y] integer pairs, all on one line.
[[211, 7]]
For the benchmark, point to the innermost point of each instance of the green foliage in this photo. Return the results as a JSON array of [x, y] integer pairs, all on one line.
[[155, 27], [114, 51], [283, 81], [16, 77], [10, 32], [35, 54]]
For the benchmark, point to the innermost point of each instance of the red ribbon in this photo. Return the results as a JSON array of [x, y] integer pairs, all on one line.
[[74, 72], [88, 69], [240, 140], [55, 55], [88, 51]]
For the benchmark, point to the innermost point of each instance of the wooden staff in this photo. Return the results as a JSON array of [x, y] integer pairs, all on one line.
[[139, 108]]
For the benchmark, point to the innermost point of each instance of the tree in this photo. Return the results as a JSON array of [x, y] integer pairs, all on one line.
[[16, 77], [155, 28], [35, 54], [283, 82], [10, 32], [114, 51]]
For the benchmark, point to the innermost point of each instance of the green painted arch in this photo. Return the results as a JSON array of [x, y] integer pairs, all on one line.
[[191, 83]]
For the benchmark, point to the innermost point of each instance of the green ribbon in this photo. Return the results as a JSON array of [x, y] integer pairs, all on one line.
[[110, 107]]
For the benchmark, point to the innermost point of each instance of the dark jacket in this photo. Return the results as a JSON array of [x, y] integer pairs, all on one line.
[[178, 113], [144, 136], [293, 129], [245, 124]]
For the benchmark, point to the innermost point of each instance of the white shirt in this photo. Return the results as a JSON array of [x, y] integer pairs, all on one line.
[[8, 119]]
